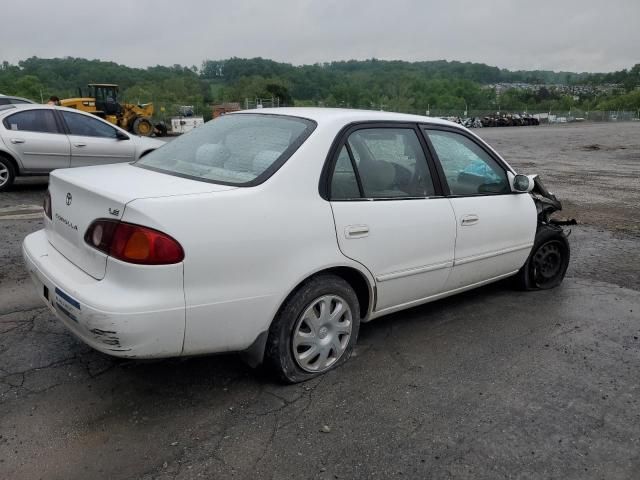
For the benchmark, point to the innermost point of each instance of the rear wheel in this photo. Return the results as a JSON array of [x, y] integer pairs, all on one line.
[[315, 330], [143, 127], [7, 174], [548, 261]]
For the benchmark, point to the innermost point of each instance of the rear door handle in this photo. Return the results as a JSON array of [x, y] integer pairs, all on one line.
[[17, 140], [468, 220], [356, 231], [80, 144]]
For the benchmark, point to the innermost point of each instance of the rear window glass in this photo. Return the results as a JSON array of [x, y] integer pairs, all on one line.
[[240, 149]]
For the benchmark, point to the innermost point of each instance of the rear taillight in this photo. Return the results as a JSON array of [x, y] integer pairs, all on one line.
[[46, 205], [133, 243]]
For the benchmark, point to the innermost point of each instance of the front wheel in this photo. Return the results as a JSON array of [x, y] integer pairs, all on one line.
[[548, 261], [315, 330]]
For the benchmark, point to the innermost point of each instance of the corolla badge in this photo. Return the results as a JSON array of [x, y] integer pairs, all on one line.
[[69, 198]]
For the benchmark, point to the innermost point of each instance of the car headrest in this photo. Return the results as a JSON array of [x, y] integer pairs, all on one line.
[[213, 154], [264, 159], [377, 175]]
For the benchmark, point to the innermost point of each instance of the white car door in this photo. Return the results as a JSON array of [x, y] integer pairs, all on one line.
[[495, 226], [37, 140], [95, 141], [389, 216]]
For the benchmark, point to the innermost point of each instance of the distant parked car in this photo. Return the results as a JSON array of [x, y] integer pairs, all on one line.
[[36, 139], [9, 100], [277, 233]]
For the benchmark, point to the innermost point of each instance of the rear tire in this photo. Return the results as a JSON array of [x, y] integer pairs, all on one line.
[[548, 261], [143, 127], [7, 174], [314, 331]]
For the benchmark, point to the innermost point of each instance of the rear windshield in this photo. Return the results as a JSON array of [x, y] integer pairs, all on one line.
[[239, 149]]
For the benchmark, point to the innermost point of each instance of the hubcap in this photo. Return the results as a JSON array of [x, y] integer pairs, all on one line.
[[322, 333], [4, 174], [547, 262]]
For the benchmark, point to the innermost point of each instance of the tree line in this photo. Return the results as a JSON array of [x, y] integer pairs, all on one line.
[[377, 84]]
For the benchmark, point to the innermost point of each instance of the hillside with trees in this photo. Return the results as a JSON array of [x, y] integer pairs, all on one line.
[[437, 86]]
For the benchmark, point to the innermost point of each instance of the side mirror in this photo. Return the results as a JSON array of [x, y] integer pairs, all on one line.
[[121, 136], [522, 183]]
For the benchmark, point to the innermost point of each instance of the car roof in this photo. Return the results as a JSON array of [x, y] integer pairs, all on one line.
[[345, 115], [18, 98], [38, 106]]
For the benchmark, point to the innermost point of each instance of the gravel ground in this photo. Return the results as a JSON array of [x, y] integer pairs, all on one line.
[[489, 384]]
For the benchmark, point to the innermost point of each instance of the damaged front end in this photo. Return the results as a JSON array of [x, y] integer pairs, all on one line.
[[547, 204]]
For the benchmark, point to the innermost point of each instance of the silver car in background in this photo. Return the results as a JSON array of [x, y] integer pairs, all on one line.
[[36, 139]]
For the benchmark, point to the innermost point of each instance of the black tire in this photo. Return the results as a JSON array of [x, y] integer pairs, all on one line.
[[548, 261], [279, 355], [7, 174], [161, 129]]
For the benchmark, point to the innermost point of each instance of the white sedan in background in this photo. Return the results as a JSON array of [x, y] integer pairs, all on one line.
[[36, 139], [277, 233]]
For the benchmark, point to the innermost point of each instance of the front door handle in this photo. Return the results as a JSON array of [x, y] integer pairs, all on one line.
[[80, 144], [356, 231], [17, 140], [468, 220]]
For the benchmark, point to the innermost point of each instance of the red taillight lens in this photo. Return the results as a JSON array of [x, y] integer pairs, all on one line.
[[46, 205], [133, 243]]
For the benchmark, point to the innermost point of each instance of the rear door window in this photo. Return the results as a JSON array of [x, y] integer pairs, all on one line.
[[42, 121], [390, 163]]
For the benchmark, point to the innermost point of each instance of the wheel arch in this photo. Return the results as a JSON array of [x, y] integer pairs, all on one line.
[[362, 284], [11, 158]]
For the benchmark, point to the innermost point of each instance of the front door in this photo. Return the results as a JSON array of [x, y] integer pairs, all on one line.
[[495, 226], [36, 139], [388, 215], [95, 142]]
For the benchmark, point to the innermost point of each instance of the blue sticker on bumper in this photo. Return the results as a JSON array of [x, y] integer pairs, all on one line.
[[72, 301]]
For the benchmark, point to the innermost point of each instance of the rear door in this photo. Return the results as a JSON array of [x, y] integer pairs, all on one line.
[[389, 215], [37, 139], [495, 226], [94, 141]]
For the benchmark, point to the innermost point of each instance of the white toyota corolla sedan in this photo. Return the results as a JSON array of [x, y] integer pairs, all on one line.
[[277, 233]]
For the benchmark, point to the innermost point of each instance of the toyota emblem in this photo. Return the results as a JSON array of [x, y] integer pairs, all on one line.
[[69, 198]]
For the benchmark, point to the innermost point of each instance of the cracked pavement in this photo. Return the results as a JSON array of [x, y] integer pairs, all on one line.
[[493, 383]]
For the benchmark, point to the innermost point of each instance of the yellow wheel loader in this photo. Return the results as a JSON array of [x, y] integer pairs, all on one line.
[[102, 101]]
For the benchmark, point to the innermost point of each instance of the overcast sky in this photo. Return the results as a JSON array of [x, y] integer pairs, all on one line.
[[570, 35]]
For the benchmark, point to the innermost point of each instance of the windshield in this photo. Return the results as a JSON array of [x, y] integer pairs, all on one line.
[[239, 149]]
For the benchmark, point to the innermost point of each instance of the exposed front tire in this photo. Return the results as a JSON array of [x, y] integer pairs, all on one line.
[[314, 331], [7, 174], [548, 261]]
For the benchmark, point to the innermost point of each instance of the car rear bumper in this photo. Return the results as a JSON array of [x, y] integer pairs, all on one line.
[[128, 327]]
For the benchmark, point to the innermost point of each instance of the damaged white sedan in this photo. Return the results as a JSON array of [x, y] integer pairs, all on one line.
[[277, 233]]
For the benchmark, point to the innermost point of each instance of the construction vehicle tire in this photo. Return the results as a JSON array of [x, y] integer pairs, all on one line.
[[143, 127]]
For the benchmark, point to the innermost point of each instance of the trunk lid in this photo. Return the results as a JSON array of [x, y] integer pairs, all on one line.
[[81, 195]]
